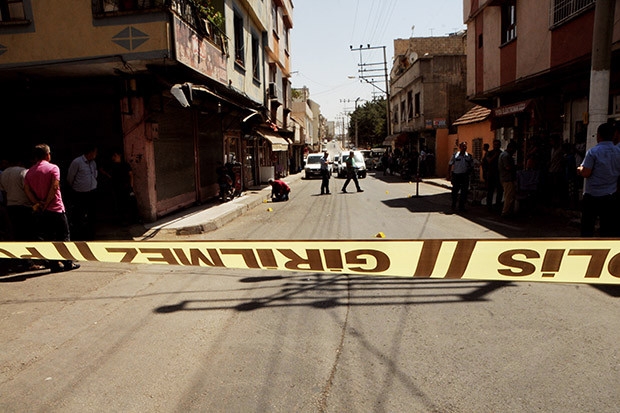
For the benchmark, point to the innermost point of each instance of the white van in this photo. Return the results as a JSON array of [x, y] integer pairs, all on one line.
[[313, 166], [360, 164]]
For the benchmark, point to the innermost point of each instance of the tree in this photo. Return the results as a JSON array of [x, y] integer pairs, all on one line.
[[371, 123]]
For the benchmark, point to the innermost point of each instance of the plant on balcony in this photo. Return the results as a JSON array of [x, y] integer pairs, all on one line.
[[208, 12]]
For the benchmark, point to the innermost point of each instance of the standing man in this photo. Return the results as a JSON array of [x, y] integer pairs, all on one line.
[[325, 173], [19, 207], [351, 173], [494, 186], [461, 165], [601, 169], [42, 186], [82, 177], [508, 177]]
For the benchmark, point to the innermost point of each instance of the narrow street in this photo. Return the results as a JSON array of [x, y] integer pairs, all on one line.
[[114, 337]]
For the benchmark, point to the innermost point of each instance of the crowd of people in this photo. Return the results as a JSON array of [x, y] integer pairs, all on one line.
[[554, 174], [36, 204], [408, 163]]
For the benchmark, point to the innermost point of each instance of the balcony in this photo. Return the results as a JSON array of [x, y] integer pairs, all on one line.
[[106, 8], [185, 9]]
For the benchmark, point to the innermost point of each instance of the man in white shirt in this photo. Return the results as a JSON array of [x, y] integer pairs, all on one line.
[[82, 177], [461, 165]]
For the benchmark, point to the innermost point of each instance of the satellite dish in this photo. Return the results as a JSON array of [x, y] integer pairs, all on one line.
[[413, 57]]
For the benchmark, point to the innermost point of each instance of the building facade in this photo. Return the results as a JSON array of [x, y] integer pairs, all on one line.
[[530, 62], [107, 79], [428, 91]]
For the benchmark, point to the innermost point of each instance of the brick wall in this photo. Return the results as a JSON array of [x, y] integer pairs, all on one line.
[[444, 45]]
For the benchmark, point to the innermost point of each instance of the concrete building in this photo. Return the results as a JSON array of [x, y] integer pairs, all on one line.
[[307, 112], [75, 72], [530, 62], [428, 92]]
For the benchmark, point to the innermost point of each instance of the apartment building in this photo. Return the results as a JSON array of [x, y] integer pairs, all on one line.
[[530, 61], [428, 93], [307, 113], [103, 71]]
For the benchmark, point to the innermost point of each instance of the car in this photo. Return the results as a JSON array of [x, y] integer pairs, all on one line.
[[360, 164], [375, 155], [367, 158], [313, 166]]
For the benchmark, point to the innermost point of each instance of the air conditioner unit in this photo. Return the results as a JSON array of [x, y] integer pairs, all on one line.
[[273, 91]]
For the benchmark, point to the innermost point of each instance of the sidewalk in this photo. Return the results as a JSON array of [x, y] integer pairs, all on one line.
[[194, 220]]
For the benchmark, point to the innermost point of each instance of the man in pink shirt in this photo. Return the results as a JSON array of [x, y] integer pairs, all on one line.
[[42, 186]]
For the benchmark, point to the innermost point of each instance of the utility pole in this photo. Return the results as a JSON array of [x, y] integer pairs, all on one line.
[[345, 114], [601, 64], [367, 71]]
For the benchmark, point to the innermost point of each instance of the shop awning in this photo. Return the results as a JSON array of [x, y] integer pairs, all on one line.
[[278, 143], [398, 139]]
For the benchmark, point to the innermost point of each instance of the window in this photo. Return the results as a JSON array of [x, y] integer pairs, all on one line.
[[509, 21], [286, 37], [403, 112], [564, 10], [12, 10], [476, 151], [239, 44], [395, 114], [409, 105], [417, 105], [255, 59], [274, 18]]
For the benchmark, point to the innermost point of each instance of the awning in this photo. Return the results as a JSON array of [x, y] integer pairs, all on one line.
[[278, 143], [398, 139]]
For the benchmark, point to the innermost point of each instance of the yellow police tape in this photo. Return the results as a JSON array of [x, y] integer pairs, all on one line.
[[591, 261]]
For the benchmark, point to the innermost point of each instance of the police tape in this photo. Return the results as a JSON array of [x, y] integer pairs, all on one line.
[[591, 261]]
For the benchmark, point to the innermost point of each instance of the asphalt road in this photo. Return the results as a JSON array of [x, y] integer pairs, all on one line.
[[137, 338]]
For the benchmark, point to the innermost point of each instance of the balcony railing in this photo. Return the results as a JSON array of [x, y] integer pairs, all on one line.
[[113, 7], [564, 10]]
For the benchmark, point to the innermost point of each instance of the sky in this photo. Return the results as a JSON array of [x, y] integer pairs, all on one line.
[[324, 30]]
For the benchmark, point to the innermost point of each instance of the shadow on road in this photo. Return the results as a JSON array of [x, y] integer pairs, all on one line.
[[539, 223], [321, 292]]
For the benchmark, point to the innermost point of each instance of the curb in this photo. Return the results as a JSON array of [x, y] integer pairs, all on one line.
[[218, 215], [230, 211]]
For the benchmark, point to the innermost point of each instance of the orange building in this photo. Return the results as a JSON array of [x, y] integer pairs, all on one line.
[[474, 127]]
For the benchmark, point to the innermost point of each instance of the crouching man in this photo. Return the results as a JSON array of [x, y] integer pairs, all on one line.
[[279, 190]]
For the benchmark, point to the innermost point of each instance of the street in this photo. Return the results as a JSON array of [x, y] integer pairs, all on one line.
[[137, 338]]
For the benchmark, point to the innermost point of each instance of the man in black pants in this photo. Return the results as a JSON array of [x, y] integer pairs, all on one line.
[[42, 186], [461, 165], [351, 173], [325, 174]]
